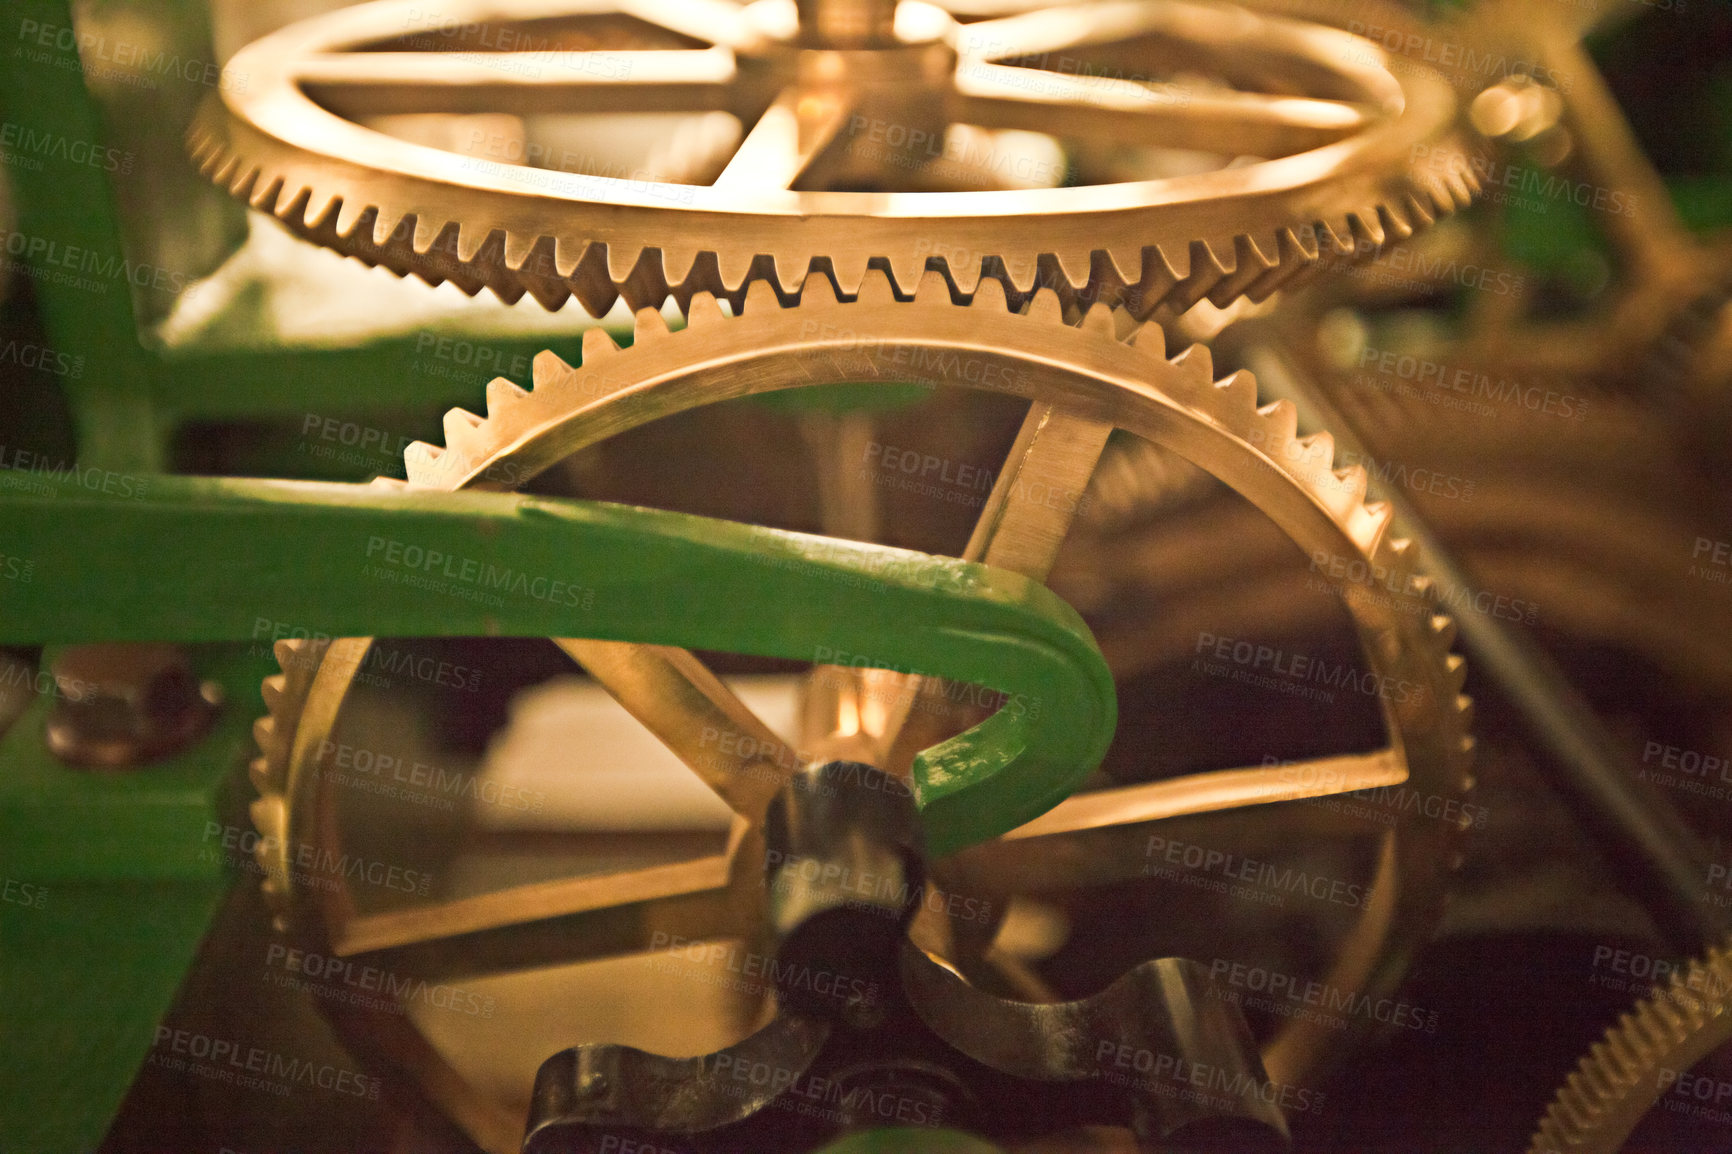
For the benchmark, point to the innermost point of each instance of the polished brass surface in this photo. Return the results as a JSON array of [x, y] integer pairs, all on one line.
[[1082, 380], [915, 153]]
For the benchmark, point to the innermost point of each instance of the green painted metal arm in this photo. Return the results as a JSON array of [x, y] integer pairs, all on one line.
[[354, 560]]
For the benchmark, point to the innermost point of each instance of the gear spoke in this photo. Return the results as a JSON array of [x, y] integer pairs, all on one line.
[[538, 83], [1119, 110], [687, 707], [787, 139], [1037, 494], [1218, 790], [555, 923]]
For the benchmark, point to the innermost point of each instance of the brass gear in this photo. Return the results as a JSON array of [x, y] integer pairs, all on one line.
[[1617, 1082], [1368, 164], [1103, 369]]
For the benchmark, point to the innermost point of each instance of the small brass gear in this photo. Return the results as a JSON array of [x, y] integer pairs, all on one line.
[[1618, 1081]]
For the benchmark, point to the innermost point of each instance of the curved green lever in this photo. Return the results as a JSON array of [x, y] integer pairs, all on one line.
[[201, 559]]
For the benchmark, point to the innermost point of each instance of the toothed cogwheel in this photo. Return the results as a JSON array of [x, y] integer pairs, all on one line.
[[1101, 373], [1621, 1079], [1143, 155]]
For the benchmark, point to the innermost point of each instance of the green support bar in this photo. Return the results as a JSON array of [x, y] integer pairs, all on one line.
[[352, 560]]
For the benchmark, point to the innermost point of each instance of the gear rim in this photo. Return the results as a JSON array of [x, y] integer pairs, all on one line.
[[304, 701], [1217, 235]]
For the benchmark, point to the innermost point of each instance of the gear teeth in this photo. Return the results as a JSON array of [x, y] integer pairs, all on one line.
[[1443, 629], [502, 395], [1314, 460], [460, 428], [1249, 266], [1349, 489], [421, 462], [1275, 430], [964, 276], [678, 262], [932, 286], [648, 326], [905, 270], [990, 296], [703, 310], [876, 289], [1206, 271], [1196, 365], [1456, 666], [1369, 524], [1235, 401], [761, 295], [548, 370], [1148, 337], [1099, 321], [817, 291], [598, 344], [1046, 308], [1619, 1079]]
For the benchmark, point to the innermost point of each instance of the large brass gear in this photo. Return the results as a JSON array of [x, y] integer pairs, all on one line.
[[1621, 1078], [1342, 157], [1101, 373]]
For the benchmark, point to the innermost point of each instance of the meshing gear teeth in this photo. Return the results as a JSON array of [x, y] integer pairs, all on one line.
[[1141, 246], [1619, 1080], [1138, 278], [613, 389]]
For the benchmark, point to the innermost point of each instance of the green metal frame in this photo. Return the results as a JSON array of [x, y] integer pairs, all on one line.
[[357, 560]]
